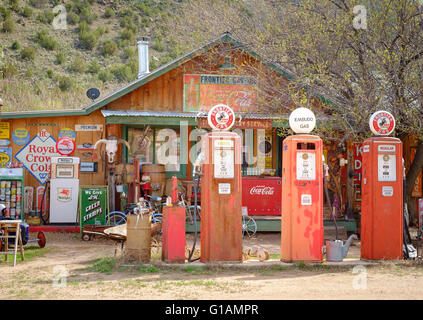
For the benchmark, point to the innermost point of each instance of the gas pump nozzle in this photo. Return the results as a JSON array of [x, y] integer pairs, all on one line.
[[197, 165]]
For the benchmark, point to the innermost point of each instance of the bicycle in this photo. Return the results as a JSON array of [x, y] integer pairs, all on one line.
[[116, 218], [190, 210]]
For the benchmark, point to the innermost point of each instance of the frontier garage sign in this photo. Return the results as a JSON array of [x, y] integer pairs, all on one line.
[[36, 155]]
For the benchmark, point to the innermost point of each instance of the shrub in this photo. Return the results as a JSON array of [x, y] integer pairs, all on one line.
[[87, 15], [8, 25], [72, 18], [109, 12], [8, 70], [4, 13], [109, 48], [88, 40], [127, 34], [46, 17], [123, 73], [15, 45], [28, 53], [129, 52], [78, 65], [38, 3], [105, 75], [50, 73], [94, 67], [65, 83], [158, 45], [27, 12], [60, 58], [14, 5], [44, 40]]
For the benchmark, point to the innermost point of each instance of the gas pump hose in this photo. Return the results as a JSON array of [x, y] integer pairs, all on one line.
[[196, 181], [325, 183], [42, 203]]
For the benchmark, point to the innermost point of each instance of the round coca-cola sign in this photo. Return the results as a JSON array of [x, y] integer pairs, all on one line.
[[221, 117], [65, 146], [382, 123]]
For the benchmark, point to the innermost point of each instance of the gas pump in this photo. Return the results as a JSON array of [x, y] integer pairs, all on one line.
[[64, 189], [382, 192], [302, 191], [221, 229]]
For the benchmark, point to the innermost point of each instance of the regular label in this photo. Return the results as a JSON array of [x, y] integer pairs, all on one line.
[[306, 200], [387, 191], [306, 166], [224, 188], [386, 167]]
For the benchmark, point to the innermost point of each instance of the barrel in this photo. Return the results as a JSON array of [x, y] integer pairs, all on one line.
[[138, 238], [157, 175]]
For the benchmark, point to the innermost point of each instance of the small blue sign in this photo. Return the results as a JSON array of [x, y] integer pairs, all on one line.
[[20, 136]]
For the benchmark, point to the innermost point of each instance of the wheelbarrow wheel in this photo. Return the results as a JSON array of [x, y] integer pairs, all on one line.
[[41, 239], [86, 237]]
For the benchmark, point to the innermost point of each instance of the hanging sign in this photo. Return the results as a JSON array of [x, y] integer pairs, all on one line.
[[20, 136], [382, 123], [65, 146], [5, 156], [88, 127], [36, 155], [221, 117], [4, 130], [93, 205], [302, 120], [67, 133]]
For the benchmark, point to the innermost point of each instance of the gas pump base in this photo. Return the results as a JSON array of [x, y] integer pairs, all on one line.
[[173, 234]]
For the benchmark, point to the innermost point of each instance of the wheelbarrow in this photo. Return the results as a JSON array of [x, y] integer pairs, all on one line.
[[40, 240], [91, 230]]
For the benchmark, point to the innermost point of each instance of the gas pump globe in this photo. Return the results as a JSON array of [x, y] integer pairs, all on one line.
[[302, 191]]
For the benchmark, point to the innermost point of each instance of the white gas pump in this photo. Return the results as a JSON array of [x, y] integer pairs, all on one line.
[[64, 189]]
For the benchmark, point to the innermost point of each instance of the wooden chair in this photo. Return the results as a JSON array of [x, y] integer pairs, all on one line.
[[7, 227]]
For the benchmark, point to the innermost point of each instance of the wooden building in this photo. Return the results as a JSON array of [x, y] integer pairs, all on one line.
[[172, 101]]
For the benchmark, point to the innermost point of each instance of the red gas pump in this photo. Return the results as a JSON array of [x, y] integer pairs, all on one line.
[[382, 192], [221, 229], [302, 191]]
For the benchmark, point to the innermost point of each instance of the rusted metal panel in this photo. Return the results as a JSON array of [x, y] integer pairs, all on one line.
[[173, 234], [302, 199]]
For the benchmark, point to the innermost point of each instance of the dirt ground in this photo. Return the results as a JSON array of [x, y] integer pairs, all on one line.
[[69, 268]]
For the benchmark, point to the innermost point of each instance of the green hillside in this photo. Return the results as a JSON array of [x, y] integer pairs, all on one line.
[[46, 68]]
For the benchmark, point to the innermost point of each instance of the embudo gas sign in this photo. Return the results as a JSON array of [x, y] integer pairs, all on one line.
[[36, 155]]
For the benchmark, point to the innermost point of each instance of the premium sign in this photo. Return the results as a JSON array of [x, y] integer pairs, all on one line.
[[88, 127], [36, 155]]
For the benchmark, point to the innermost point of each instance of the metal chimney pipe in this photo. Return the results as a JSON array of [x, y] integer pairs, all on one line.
[[143, 65]]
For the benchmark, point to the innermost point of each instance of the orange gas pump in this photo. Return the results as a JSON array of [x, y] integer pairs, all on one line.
[[382, 192], [302, 191], [221, 229]]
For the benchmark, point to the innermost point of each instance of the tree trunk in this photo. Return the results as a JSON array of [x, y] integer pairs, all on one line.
[[411, 177]]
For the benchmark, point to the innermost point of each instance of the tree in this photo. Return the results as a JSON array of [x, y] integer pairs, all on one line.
[[363, 55]]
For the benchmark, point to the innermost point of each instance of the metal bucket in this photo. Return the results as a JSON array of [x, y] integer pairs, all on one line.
[[334, 251], [138, 238]]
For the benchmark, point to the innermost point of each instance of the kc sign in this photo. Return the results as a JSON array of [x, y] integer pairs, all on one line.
[[36, 155]]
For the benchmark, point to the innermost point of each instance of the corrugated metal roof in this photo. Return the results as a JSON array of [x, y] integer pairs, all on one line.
[[170, 114]]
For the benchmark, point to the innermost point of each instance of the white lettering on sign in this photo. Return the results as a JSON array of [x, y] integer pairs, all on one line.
[[306, 166], [366, 148], [306, 200], [36, 155], [262, 190], [386, 167], [387, 191], [224, 188], [386, 148]]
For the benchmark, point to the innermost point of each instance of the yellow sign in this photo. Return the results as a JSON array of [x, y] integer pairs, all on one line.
[[4, 159], [4, 130]]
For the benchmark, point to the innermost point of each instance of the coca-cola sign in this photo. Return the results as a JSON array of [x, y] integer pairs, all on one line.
[[262, 190]]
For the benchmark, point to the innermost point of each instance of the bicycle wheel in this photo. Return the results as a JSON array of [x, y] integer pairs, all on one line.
[[116, 218], [249, 226], [191, 210]]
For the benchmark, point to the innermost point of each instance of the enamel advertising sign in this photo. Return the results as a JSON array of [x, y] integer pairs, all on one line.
[[36, 155]]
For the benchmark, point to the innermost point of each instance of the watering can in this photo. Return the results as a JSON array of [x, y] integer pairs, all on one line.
[[336, 250]]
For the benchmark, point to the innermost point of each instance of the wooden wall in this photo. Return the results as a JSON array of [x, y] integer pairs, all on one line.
[[53, 125]]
